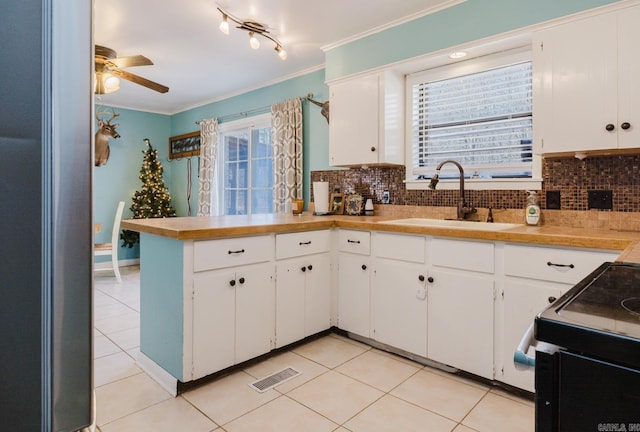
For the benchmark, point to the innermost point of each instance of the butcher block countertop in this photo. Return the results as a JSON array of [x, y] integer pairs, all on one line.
[[204, 227]]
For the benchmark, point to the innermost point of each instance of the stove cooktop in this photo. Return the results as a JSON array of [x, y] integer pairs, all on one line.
[[599, 316]]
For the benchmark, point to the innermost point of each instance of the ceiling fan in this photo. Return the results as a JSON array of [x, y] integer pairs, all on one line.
[[108, 69]]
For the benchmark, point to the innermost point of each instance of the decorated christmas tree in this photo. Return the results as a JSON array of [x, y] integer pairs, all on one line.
[[153, 200]]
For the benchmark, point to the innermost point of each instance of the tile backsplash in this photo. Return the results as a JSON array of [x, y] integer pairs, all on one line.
[[571, 177]]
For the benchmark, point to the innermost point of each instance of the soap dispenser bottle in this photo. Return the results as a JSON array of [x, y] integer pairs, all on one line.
[[532, 211]]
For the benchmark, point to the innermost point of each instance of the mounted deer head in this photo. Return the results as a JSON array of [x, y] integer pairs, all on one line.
[[105, 131], [324, 106]]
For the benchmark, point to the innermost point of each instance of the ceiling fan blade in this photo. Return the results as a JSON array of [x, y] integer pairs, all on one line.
[[130, 61], [139, 80]]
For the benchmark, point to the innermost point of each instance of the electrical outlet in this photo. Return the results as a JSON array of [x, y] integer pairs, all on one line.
[[386, 197], [553, 200], [600, 199]]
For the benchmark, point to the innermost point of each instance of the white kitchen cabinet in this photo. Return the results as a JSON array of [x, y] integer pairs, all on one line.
[[233, 317], [354, 274], [461, 305], [366, 125], [399, 293], [534, 276], [584, 90], [303, 294], [522, 299]]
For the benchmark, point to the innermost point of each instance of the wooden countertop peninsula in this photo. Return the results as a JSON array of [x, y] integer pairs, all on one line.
[[205, 227]]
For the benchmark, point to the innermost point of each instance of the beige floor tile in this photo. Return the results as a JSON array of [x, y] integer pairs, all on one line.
[[112, 368], [329, 351], [335, 396], [118, 323], [308, 369], [498, 414], [281, 415], [364, 346], [172, 415], [110, 310], [126, 339], [512, 396], [463, 428], [439, 394], [391, 414], [458, 378], [103, 346], [383, 372], [228, 398], [127, 396]]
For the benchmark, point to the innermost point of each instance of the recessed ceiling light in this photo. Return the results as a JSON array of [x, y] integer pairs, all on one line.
[[457, 55]]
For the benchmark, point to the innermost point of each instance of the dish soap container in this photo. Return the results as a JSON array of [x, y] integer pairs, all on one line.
[[532, 211]]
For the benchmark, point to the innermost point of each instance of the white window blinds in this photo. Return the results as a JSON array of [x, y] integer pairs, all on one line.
[[482, 120]]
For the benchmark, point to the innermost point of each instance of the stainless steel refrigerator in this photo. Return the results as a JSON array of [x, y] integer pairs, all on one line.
[[45, 215]]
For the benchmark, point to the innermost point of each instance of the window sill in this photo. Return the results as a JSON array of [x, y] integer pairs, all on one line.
[[479, 184]]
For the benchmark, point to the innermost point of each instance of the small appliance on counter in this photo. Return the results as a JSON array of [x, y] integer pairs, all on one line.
[[587, 364]]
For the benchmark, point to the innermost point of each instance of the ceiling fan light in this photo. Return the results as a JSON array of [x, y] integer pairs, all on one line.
[[281, 52], [224, 24], [253, 41], [105, 82]]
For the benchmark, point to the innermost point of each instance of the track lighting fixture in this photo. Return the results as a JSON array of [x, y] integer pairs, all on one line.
[[254, 29]]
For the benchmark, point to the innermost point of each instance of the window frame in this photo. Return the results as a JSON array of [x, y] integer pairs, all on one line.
[[246, 124], [453, 70]]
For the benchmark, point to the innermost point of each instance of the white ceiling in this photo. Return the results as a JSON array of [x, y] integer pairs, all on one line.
[[201, 65]]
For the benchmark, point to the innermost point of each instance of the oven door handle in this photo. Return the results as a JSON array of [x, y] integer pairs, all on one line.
[[521, 360]]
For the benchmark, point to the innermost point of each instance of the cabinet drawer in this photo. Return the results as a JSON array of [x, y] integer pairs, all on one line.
[[215, 254], [302, 243], [354, 241], [553, 264], [463, 255], [400, 247]]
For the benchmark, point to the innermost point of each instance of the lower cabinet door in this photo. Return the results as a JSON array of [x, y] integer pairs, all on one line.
[[255, 311], [290, 300], [399, 305], [523, 299], [460, 325], [353, 293], [317, 303], [213, 322]]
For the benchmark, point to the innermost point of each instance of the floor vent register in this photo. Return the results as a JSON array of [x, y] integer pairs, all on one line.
[[269, 382]]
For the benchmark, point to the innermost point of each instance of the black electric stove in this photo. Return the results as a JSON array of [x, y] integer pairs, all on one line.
[[591, 380]]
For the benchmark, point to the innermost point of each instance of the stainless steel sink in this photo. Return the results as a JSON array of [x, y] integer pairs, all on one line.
[[446, 223]]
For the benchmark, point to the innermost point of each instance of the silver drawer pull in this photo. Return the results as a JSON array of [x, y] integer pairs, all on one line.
[[550, 264], [305, 243], [236, 252], [353, 241]]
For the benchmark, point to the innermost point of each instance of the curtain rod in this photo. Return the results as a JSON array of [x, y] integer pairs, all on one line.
[[246, 113]]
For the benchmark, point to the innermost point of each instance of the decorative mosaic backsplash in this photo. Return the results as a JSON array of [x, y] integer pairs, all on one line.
[[571, 177]]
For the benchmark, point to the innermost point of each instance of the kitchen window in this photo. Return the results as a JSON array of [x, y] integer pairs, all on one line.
[[246, 166], [478, 113]]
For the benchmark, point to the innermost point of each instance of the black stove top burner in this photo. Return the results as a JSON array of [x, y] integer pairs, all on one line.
[[599, 316], [632, 305]]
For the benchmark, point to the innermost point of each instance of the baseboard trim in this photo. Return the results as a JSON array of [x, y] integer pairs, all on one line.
[[106, 265], [158, 374]]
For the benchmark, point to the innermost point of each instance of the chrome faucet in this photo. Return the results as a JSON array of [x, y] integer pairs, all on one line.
[[463, 209]]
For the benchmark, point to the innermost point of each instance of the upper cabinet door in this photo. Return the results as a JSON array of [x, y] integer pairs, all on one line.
[[353, 129], [585, 97], [367, 121], [628, 73], [575, 86]]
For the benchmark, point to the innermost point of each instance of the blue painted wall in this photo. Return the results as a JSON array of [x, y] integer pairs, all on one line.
[[466, 22], [118, 179]]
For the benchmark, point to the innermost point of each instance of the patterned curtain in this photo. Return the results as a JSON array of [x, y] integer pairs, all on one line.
[[208, 190], [286, 130]]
